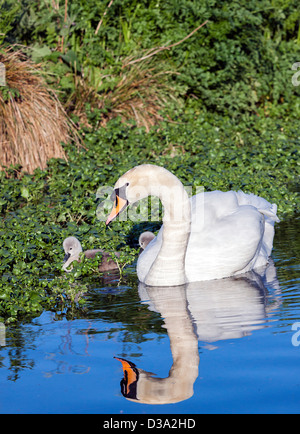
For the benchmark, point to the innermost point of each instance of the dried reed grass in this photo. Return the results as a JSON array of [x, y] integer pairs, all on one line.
[[142, 91], [33, 123]]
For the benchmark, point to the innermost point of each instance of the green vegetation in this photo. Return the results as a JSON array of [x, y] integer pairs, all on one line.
[[218, 110]]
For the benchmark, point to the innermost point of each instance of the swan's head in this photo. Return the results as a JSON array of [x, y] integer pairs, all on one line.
[[145, 239], [140, 182], [132, 186], [144, 387], [72, 248]]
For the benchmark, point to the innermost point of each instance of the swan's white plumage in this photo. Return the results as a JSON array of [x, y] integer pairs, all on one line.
[[210, 236], [231, 233]]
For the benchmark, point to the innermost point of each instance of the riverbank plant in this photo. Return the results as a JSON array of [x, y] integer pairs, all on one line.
[[220, 110], [38, 211]]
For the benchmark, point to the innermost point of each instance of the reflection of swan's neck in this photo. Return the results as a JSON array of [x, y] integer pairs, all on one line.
[[169, 265], [171, 303], [184, 348]]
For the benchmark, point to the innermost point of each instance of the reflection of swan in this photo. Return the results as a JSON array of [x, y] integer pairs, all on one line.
[[213, 235], [226, 309], [143, 387], [207, 311]]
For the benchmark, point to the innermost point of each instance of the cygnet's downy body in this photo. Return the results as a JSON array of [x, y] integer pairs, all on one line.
[[73, 249]]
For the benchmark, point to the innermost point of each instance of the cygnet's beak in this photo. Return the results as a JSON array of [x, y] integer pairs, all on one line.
[[67, 255]]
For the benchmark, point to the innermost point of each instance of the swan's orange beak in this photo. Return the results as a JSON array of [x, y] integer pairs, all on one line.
[[131, 376], [118, 207]]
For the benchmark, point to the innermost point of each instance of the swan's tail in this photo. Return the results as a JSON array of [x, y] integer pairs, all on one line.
[[266, 208], [269, 210]]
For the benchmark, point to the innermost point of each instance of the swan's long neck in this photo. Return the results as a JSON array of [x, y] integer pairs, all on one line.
[[168, 269]]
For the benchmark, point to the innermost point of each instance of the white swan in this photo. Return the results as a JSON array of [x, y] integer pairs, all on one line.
[[210, 236]]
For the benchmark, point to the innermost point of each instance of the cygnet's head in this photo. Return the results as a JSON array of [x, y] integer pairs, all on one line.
[[145, 239], [72, 248]]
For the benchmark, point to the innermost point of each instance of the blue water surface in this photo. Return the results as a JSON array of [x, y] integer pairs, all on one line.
[[230, 346]]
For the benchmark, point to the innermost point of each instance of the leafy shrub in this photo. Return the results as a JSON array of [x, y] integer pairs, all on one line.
[[239, 62], [9, 11]]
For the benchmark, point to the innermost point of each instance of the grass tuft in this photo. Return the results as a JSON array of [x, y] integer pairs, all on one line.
[[140, 91], [33, 123]]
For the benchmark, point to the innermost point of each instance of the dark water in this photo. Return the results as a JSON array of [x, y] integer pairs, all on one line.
[[228, 346]]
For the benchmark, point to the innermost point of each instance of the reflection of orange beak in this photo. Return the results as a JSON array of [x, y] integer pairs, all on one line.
[[131, 375], [119, 205]]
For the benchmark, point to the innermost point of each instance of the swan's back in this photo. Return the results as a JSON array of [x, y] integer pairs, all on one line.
[[231, 233]]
